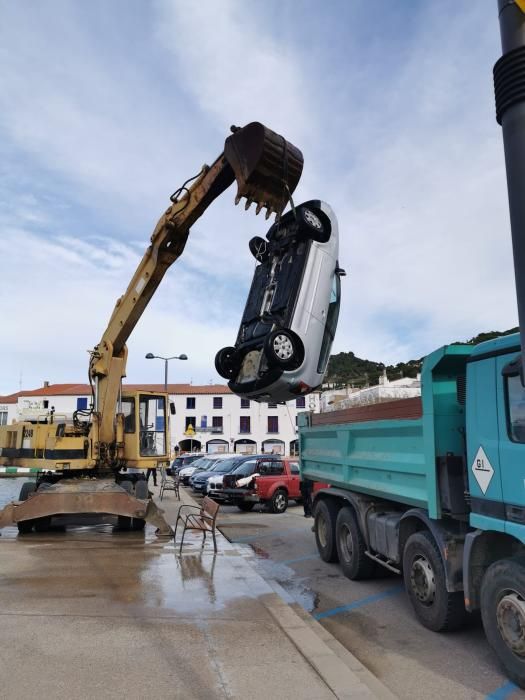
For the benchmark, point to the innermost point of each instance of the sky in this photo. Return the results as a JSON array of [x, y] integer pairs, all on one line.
[[107, 107]]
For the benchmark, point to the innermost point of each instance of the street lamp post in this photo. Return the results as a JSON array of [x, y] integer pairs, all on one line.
[[151, 356]]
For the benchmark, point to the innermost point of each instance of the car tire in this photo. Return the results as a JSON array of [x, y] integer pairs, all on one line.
[[246, 507], [279, 501], [284, 349], [227, 362], [425, 582], [259, 249], [313, 224]]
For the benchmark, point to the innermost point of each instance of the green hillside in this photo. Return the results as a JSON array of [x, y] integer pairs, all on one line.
[[345, 368]]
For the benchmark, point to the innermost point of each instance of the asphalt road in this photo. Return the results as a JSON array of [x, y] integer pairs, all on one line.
[[372, 619]]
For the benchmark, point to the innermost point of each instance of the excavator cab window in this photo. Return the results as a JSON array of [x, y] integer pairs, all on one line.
[[128, 409], [152, 410]]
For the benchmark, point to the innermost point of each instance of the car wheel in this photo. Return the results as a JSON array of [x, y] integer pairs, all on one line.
[[279, 501], [259, 249], [314, 225], [227, 362], [284, 349]]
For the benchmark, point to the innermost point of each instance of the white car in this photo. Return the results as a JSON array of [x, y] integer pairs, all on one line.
[[289, 321]]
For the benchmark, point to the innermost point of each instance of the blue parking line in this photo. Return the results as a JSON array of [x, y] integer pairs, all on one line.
[[503, 692], [360, 603]]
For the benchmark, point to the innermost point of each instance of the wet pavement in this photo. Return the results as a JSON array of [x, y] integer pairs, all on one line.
[[87, 612]]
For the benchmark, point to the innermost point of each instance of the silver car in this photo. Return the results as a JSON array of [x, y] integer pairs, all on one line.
[[290, 318]]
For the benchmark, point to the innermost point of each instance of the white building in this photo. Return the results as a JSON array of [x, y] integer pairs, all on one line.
[[208, 418], [386, 390]]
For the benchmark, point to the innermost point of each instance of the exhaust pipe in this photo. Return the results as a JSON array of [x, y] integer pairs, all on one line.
[[509, 87]]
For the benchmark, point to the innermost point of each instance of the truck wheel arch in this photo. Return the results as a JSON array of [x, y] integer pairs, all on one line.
[[483, 548], [450, 544]]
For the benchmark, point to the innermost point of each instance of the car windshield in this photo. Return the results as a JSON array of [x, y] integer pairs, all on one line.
[[331, 324], [225, 466], [199, 463], [246, 468]]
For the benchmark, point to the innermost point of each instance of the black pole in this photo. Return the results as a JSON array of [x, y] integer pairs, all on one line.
[[509, 86]]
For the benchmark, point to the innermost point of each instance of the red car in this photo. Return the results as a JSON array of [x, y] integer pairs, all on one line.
[[275, 481]]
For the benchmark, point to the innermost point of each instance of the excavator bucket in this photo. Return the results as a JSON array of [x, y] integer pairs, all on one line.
[[266, 166]]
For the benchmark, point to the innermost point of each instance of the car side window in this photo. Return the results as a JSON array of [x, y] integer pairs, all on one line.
[[294, 468], [516, 408], [271, 467]]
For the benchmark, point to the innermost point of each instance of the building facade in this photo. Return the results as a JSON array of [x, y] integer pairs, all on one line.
[[207, 418]]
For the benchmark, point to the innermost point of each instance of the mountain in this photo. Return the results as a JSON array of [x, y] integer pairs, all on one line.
[[345, 368]]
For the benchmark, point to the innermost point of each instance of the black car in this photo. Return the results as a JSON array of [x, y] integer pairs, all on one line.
[[199, 480]]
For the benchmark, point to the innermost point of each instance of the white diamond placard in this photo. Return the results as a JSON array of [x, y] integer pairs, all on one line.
[[482, 469]]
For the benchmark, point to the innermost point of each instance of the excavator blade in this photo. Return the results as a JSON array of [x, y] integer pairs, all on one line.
[[266, 166]]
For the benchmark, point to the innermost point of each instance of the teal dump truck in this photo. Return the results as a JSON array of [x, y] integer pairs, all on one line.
[[434, 488]]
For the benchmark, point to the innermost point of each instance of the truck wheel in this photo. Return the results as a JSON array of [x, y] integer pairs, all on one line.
[[279, 501], [246, 507], [503, 614], [325, 516], [26, 526], [425, 583], [351, 547]]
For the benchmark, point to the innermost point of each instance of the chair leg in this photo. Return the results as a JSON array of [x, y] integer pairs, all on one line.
[[203, 538], [214, 541], [176, 524]]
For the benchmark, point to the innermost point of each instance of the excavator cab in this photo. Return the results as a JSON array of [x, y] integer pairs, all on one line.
[[146, 428]]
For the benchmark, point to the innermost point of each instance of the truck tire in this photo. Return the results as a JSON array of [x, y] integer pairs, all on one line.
[[351, 546], [425, 583], [503, 614], [26, 526], [278, 503], [246, 507], [325, 516]]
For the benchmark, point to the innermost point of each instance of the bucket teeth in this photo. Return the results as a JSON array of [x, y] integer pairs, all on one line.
[[237, 199], [266, 166], [258, 208], [248, 204]]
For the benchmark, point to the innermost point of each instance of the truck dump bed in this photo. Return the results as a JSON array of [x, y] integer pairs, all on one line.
[[391, 450]]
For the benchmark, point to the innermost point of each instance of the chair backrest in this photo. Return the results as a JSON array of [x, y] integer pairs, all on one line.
[[210, 507]]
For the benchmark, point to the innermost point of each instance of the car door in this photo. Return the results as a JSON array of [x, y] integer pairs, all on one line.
[[294, 490], [270, 472]]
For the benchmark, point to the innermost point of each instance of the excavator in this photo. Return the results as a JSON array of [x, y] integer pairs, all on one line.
[[95, 462]]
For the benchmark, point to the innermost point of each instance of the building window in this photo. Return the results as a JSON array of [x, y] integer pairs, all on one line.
[[45, 403], [3, 417], [204, 421], [190, 402], [81, 403], [244, 426], [273, 424], [300, 402], [217, 402], [217, 424], [189, 420], [245, 403], [272, 404]]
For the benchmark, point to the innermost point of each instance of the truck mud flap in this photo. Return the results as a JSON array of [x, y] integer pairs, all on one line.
[[83, 496]]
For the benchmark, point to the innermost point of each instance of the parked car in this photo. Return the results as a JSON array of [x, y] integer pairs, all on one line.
[[290, 318], [275, 482], [215, 485], [199, 480], [202, 464], [182, 461]]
